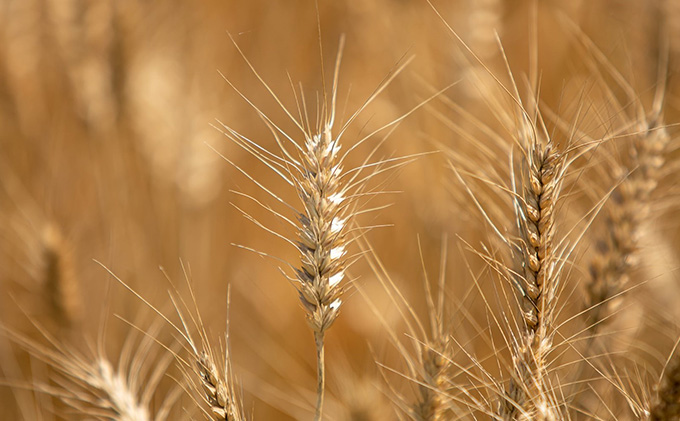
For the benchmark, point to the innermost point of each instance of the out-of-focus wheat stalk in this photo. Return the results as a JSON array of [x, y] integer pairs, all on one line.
[[60, 282]]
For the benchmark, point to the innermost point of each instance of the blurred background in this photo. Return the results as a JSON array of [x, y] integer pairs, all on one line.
[[109, 158]]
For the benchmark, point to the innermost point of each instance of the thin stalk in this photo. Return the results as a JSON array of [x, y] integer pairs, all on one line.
[[321, 375]]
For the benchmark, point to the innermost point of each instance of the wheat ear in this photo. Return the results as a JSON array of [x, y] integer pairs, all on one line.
[[430, 361], [60, 282], [541, 181], [216, 381], [430, 403], [666, 405], [436, 356], [321, 240], [218, 389], [329, 197], [627, 210], [93, 386]]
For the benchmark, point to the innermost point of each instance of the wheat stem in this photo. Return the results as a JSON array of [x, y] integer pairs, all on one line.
[[321, 375]]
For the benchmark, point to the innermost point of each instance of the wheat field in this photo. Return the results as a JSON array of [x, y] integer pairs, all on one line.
[[351, 210]]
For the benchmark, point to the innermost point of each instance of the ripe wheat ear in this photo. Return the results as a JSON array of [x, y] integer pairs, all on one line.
[[331, 198]]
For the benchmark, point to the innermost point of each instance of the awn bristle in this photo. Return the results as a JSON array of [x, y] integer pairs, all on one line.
[[626, 212], [527, 395]]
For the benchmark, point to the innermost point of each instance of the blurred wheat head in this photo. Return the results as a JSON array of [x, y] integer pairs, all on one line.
[[533, 145]]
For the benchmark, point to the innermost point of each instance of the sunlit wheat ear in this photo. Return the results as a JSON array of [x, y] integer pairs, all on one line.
[[94, 387], [331, 197], [218, 388], [533, 180], [216, 381]]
